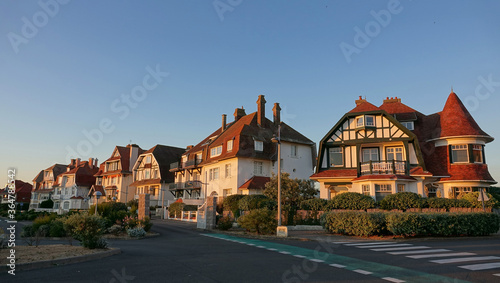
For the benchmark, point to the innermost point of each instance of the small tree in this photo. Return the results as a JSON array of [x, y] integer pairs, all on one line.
[[47, 204], [293, 191], [88, 229], [262, 221]]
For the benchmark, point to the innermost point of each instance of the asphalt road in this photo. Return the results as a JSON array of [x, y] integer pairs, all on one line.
[[184, 254]]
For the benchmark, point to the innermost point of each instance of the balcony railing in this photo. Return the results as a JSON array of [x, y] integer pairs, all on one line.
[[175, 166], [189, 185], [384, 167], [192, 162]]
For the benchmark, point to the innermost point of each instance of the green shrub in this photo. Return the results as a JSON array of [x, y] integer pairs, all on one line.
[[403, 201], [130, 222], [224, 223], [443, 224], [57, 228], [110, 211], [27, 231], [354, 201], [136, 232], [175, 208], [115, 230], [262, 221], [446, 203], [88, 229], [250, 202], [231, 203], [47, 204], [190, 207], [314, 204], [269, 204], [43, 220], [134, 205], [472, 199], [354, 223], [146, 223]]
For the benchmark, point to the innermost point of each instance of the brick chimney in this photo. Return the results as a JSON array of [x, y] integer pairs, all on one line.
[[389, 100], [261, 110], [91, 162], [78, 162], [277, 114], [360, 100], [238, 113], [95, 162], [224, 120]]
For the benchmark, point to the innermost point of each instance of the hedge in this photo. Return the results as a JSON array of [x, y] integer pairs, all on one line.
[[231, 203], [262, 221], [315, 204], [354, 201], [354, 223], [472, 199], [402, 201], [250, 202], [443, 224]]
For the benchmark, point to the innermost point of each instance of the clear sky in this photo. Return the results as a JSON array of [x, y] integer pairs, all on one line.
[[163, 72]]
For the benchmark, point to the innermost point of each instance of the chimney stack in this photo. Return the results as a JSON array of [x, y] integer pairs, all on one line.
[[91, 162], [77, 162], [261, 110], [224, 119], [392, 99], [360, 100], [95, 162], [277, 113], [238, 113]]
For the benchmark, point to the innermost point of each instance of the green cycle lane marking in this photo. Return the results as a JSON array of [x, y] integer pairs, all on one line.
[[379, 270]]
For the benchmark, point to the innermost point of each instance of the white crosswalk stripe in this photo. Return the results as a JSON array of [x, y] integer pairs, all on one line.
[[464, 259], [400, 248], [372, 243], [384, 246], [419, 252], [482, 266], [438, 255], [390, 279]]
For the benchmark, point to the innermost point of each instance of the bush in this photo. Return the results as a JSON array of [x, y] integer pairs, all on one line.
[[146, 223], [262, 221], [88, 229], [136, 232], [472, 199], [43, 220], [175, 208], [354, 223], [28, 231], [224, 223], [443, 224], [57, 228], [134, 205], [403, 201], [315, 204], [190, 207], [110, 211], [446, 203], [115, 230], [130, 222], [354, 201], [231, 203], [250, 202], [47, 204], [269, 204]]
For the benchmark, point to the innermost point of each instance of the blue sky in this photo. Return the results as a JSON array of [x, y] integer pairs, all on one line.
[[66, 66]]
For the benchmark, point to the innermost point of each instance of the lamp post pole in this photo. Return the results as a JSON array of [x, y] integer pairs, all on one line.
[[97, 195], [279, 175]]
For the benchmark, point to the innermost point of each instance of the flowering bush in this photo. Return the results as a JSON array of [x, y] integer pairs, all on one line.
[[136, 232], [130, 222]]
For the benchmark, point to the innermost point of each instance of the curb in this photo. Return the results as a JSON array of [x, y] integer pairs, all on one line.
[[61, 261]]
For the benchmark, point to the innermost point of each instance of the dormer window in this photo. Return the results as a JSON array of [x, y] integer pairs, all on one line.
[[259, 146], [216, 151], [229, 145], [409, 125], [365, 121]]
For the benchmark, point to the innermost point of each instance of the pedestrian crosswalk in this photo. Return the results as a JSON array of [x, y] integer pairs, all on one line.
[[434, 255]]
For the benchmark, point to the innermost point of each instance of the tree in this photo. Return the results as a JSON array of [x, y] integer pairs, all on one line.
[[293, 191]]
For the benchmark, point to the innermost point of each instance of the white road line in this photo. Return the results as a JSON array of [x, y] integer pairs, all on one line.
[[250, 244], [262, 247], [481, 266], [498, 274], [337, 265], [419, 252], [285, 253], [395, 280], [273, 250], [384, 246], [316, 260], [372, 243], [299, 256], [464, 259], [438, 255], [399, 249], [338, 243], [362, 271]]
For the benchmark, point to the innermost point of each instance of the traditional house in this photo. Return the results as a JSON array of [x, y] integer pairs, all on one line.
[[72, 187], [22, 193], [393, 148], [152, 175], [43, 184], [239, 157], [115, 174]]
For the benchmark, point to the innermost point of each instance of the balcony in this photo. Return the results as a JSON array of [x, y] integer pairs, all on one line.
[[176, 166], [392, 167], [191, 163], [189, 185]]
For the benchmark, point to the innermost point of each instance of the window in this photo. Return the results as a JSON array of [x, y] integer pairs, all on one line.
[[408, 125], [401, 188], [360, 122], [198, 157], [370, 154], [457, 191], [230, 145], [382, 190], [366, 190], [226, 192], [459, 153], [66, 205], [112, 166], [146, 174], [216, 151], [258, 168], [477, 153], [214, 174], [259, 146], [395, 153], [369, 121], [113, 181], [336, 156], [228, 170], [148, 159], [294, 151]]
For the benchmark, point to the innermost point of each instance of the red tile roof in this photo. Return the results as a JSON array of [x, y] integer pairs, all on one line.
[[83, 173], [469, 172], [395, 106], [364, 106], [256, 182], [22, 189], [384, 177], [96, 188], [146, 182], [336, 173], [457, 121]]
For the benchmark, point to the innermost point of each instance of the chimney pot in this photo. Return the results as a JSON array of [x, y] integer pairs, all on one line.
[[224, 120], [277, 113], [91, 162], [261, 110]]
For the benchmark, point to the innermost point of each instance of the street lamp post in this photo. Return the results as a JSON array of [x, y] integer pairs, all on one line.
[[278, 141], [97, 196]]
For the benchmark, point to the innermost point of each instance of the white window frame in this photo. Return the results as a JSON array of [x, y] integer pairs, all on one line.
[[229, 145], [336, 150], [366, 190], [409, 125], [228, 171], [294, 151], [216, 151], [360, 121], [478, 148], [370, 149], [401, 188], [370, 124], [258, 168], [394, 152], [259, 145], [459, 148]]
